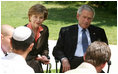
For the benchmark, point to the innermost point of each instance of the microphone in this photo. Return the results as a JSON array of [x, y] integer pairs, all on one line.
[[109, 63]]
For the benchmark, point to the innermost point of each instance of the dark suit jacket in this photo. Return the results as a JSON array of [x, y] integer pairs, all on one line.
[[41, 47], [68, 37]]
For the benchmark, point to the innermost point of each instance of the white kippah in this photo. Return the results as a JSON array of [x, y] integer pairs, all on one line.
[[21, 33]]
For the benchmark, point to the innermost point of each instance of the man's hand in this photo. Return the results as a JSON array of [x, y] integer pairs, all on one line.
[[43, 59], [65, 65]]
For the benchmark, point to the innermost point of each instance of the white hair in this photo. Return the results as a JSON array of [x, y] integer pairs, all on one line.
[[86, 7]]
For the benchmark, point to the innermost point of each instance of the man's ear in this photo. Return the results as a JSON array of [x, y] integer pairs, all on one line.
[[103, 65], [31, 46], [2, 36], [10, 50], [77, 16]]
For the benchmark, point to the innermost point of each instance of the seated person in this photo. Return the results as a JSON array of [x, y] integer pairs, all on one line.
[[95, 58], [37, 14], [73, 40], [21, 43], [6, 34]]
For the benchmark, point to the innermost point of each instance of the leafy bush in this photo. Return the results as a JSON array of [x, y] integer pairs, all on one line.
[[108, 5]]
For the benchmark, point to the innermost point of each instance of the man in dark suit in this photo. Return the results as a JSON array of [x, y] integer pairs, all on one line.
[[70, 47]]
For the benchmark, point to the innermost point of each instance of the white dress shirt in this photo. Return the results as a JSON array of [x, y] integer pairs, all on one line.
[[79, 49], [14, 63]]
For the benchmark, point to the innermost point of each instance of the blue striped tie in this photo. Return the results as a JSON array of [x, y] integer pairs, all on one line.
[[84, 40]]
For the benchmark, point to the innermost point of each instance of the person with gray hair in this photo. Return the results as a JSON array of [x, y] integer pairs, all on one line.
[[74, 40], [21, 43], [95, 58], [86, 7]]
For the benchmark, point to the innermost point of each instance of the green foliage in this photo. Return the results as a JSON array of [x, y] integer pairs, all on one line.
[[107, 5], [15, 13], [63, 2]]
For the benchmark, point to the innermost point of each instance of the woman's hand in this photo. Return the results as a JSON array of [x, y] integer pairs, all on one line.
[[43, 59]]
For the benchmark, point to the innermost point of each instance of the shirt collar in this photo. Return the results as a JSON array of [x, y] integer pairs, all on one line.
[[80, 28], [89, 66], [38, 32]]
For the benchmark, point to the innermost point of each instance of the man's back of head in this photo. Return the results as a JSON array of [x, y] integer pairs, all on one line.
[[21, 43], [6, 30], [6, 34], [22, 38], [98, 53]]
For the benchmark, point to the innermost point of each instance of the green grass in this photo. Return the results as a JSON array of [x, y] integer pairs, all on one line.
[[52, 71], [15, 13]]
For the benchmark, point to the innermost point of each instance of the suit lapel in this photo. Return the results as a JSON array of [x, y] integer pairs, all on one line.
[[74, 37], [92, 33]]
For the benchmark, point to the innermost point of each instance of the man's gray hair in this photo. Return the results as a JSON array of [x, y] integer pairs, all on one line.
[[86, 7]]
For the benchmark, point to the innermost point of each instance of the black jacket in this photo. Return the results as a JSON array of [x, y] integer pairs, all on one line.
[[41, 47], [68, 37]]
